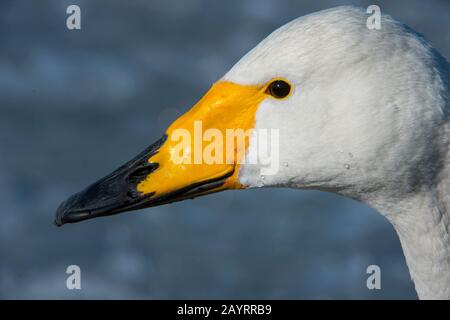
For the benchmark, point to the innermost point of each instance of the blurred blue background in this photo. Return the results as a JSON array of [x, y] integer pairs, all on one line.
[[77, 104]]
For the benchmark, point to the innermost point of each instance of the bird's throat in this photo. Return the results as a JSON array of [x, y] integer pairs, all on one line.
[[422, 223]]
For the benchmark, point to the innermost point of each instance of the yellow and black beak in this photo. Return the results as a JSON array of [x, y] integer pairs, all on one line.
[[118, 191], [113, 194], [157, 176]]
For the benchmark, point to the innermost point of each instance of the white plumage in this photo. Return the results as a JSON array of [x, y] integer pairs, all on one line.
[[368, 119]]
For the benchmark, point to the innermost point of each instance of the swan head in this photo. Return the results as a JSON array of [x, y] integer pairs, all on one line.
[[323, 102]]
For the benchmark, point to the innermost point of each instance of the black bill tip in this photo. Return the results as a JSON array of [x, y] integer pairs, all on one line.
[[64, 214], [113, 194], [118, 192]]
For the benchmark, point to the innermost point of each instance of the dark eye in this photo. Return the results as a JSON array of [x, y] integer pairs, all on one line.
[[279, 89]]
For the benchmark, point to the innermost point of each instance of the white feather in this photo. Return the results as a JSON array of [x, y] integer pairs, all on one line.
[[368, 119]]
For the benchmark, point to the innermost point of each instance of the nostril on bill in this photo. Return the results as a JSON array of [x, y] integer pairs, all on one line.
[[133, 194], [142, 172]]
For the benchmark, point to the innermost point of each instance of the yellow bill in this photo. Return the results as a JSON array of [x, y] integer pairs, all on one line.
[[199, 154]]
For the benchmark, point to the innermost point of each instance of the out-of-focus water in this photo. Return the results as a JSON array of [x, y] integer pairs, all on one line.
[[77, 104]]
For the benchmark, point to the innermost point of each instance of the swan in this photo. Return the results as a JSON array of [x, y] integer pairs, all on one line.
[[359, 112]]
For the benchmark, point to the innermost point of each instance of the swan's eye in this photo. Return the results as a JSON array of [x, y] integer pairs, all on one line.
[[279, 89]]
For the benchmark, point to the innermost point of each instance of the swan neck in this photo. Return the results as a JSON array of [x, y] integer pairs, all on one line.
[[423, 226]]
